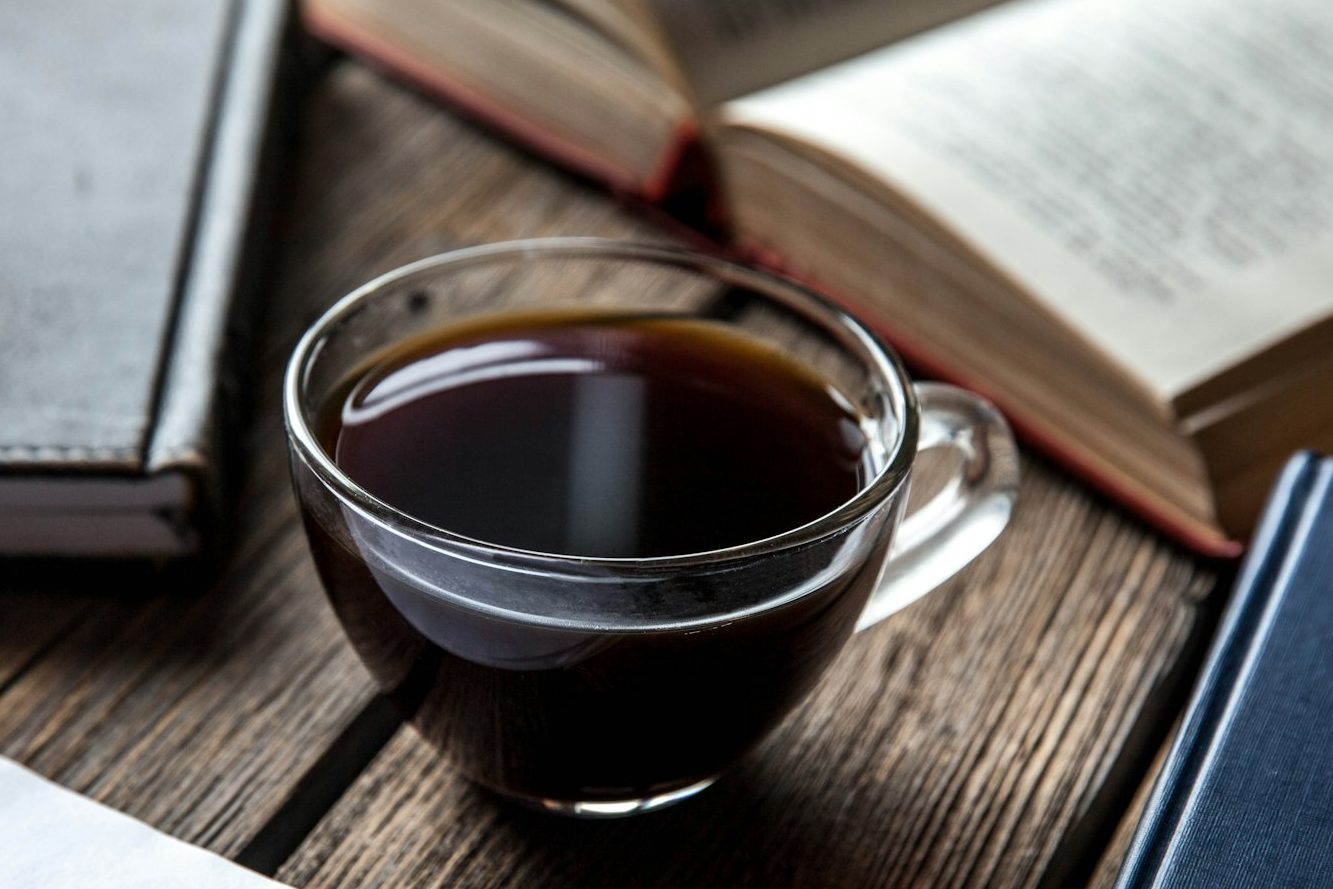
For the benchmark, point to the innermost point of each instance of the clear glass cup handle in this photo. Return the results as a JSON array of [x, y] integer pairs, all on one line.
[[950, 530]]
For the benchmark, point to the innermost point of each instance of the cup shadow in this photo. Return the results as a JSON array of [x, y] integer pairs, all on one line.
[[755, 827]]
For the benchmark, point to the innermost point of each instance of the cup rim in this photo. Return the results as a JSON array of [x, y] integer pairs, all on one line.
[[886, 365]]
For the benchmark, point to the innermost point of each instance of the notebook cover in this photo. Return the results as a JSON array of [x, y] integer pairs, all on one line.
[[128, 162], [1245, 797]]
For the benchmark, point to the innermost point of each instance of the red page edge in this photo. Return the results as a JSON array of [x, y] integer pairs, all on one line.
[[344, 34], [1030, 431]]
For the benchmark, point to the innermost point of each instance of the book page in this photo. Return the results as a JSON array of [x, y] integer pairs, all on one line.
[[1157, 174], [726, 48]]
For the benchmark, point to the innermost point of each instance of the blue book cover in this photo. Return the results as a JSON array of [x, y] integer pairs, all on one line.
[[1245, 798]]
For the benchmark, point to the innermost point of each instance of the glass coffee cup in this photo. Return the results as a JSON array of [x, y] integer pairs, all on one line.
[[601, 684]]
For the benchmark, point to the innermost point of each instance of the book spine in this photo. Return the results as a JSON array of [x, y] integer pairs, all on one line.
[[200, 389]]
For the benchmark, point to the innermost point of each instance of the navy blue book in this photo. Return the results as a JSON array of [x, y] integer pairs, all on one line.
[[1245, 798]]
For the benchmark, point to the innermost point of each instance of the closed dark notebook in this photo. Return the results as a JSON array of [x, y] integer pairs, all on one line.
[[131, 141], [1245, 798]]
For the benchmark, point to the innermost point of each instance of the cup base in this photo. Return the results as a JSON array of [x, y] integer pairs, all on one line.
[[595, 809]]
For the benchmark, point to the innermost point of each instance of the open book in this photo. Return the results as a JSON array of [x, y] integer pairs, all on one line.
[[1113, 217]]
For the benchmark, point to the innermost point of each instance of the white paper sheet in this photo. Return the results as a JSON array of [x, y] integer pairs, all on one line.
[[52, 838]]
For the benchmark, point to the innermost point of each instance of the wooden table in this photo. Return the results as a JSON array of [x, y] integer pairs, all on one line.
[[997, 733]]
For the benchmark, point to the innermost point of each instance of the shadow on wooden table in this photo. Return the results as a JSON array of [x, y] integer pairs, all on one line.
[[117, 616], [752, 828]]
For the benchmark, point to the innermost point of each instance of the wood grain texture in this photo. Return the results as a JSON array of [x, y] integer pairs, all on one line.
[[954, 745]]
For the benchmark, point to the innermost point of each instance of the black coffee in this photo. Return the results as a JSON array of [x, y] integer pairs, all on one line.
[[623, 437], [606, 437]]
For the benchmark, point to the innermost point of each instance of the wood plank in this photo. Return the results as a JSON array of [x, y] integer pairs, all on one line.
[[954, 745], [201, 704]]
